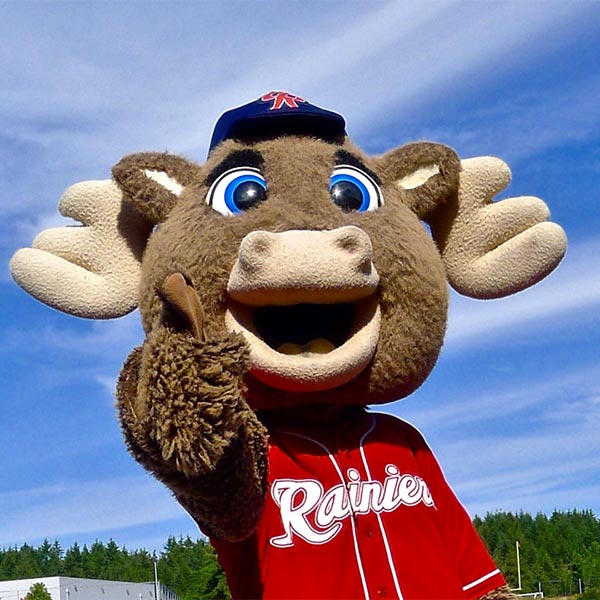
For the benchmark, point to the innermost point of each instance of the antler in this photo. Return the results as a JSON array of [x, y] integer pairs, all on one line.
[[493, 249], [93, 270]]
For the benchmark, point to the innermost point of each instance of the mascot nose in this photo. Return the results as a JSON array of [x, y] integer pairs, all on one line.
[[356, 244], [255, 248], [297, 263], [348, 243]]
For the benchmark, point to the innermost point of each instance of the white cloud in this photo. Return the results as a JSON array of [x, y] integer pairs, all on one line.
[[541, 452], [414, 53], [525, 124], [569, 397], [459, 50], [80, 116], [81, 507], [30, 227], [411, 50], [108, 383], [533, 498], [88, 87], [100, 339], [542, 471], [528, 445]]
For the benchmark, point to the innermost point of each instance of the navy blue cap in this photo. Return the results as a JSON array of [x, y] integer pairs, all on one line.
[[274, 114]]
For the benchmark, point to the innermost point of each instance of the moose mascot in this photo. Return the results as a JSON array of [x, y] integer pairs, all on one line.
[[285, 286]]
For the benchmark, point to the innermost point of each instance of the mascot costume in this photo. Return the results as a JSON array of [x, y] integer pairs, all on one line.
[[284, 286]]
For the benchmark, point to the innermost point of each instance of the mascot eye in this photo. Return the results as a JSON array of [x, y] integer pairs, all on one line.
[[237, 190], [353, 190]]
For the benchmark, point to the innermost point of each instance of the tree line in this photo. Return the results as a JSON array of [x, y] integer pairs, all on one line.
[[188, 567], [560, 552]]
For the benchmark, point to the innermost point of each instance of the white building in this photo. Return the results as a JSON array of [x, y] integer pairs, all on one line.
[[75, 588]]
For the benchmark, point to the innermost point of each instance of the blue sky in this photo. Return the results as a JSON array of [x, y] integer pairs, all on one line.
[[513, 407]]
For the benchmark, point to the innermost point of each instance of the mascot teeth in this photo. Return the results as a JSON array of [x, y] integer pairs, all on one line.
[[318, 346]]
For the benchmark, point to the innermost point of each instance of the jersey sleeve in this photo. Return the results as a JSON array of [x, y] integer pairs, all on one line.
[[477, 571]]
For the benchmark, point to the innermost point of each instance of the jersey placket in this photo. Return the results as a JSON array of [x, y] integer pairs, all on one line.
[[371, 542]]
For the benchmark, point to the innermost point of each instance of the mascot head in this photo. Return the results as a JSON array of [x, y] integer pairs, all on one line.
[[333, 265]]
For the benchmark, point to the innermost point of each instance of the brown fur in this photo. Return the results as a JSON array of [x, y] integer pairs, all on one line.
[[202, 244], [150, 198], [181, 421], [404, 160], [182, 408], [502, 593], [187, 407]]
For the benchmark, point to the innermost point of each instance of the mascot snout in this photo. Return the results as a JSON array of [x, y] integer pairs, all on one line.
[[304, 266]]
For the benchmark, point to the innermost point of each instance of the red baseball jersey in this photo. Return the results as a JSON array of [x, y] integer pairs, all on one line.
[[361, 512]]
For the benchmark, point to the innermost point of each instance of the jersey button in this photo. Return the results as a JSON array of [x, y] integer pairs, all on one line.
[[369, 533], [382, 592]]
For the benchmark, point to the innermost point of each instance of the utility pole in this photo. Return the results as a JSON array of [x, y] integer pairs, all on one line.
[[518, 546], [155, 580]]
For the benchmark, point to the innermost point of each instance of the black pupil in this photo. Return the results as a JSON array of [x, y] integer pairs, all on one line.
[[346, 195], [248, 194]]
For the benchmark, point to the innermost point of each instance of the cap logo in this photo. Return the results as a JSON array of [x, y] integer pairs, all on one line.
[[281, 99]]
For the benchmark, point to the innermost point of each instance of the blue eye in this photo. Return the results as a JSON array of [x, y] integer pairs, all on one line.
[[237, 190], [353, 190]]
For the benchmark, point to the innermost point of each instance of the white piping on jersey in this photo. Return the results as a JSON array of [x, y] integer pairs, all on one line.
[[485, 577], [339, 472], [388, 550], [480, 580]]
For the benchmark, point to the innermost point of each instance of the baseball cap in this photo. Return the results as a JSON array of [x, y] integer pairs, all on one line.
[[277, 113]]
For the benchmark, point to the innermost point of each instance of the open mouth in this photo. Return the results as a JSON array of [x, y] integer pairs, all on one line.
[[306, 303], [308, 347], [305, 328]]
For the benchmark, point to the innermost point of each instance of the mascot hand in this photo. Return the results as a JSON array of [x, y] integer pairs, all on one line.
[[181, 395], [185, 419]]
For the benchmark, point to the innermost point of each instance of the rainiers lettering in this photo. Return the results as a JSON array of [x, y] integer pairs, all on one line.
[[315, 515]]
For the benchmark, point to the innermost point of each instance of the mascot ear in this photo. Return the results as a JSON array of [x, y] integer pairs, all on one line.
[[425, 173], [153, 181]]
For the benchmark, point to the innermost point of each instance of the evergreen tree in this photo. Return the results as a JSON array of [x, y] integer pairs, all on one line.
[[38, 591], [49, 557], [213, 584], [557, 551], [8, 563], [140, 566], [97, 561], [27, 565], [115, 563], [72, 563]]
